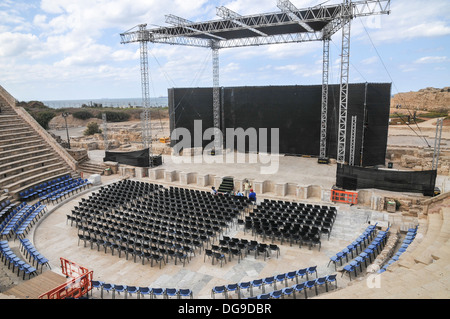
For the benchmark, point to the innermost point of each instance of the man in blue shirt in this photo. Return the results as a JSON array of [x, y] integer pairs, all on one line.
[[252, 196]]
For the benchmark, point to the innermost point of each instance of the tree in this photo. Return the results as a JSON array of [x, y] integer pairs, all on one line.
[[92, 128]]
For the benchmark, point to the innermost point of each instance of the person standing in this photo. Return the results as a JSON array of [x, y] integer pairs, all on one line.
[[246, 187]]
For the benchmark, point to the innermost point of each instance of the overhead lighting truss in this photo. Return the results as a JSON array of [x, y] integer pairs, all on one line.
[[289, 25]]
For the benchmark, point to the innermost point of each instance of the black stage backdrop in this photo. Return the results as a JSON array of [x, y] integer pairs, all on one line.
[[352, 178], [137, 158], [296, 111]]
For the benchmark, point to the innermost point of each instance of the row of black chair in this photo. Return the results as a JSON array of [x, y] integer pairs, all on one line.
[[152, 226]]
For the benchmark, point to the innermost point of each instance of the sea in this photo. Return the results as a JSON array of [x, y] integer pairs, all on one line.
[[107, 102]]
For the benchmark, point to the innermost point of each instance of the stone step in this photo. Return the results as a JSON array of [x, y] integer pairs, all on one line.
[[10, 119], [10, 182], [10, 126], [14, 161], [18, 169], [19, 139], [35, 142], [22, 133], [34, 179], [14, 128], [91, 168], [23, 153]]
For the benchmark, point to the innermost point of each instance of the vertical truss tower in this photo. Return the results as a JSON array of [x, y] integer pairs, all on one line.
[[289, 25]]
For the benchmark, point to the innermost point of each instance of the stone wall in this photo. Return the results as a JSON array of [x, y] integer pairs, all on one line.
[[419, 159]]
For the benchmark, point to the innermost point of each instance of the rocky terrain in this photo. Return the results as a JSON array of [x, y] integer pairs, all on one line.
[[428, 99]]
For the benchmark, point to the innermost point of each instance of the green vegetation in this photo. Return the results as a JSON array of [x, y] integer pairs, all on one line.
[[44, 114], [435, 114], [115, 116], [91, 129], [82, 115], [40, 112]]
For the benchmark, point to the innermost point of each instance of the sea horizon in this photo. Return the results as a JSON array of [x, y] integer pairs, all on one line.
[[161, 101]]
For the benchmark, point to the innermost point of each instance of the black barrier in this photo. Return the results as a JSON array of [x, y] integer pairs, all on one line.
[[137, 158], [295, 111], [353, 177]]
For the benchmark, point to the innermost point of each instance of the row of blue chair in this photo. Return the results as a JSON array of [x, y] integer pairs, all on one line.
[[263, 282], [370, 252], [35, 191], [141, 291], [9, 256], [28, 219], [33, 255], [409, 238], [66, 189], [297, 288], [360, 243], [5, 207], [10, 221]]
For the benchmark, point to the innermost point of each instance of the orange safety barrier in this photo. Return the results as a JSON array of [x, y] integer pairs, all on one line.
[[344, 197], [77, 287]]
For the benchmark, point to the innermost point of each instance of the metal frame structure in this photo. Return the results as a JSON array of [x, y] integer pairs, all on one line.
[[351, 161], [105, 131], [437, 144], [289, 25]]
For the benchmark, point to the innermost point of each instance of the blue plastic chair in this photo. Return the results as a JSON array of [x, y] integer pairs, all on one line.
[[349, 269], [257, 283], [330, 279], [291, 275], [218, 290], [281, 278], [185, 293], [119, 289], [299, 288], [243, 285], [287, 291], [157, 292], [231, 288], [144, 291], [131, 290], [171, 292], [311, 270], [96, 284], [268, 281], [106, 287], [301, 273], [310, 284], [276, 294]]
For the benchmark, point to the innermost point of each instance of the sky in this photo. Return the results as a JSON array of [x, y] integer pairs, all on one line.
[[66, 49]]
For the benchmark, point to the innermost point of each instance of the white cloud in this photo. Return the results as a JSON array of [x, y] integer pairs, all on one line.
[[432, 59]]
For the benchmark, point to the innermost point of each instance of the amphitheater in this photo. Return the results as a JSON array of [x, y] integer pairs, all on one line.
[[409, 258]]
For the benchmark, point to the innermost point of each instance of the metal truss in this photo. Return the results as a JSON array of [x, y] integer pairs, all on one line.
[[437, 144], [353, 141], [145, 85], [216, 94], [324, 104], [291, 25], [226, 13], [344, 76], [287, 7], [105, 131], [200, 34]]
